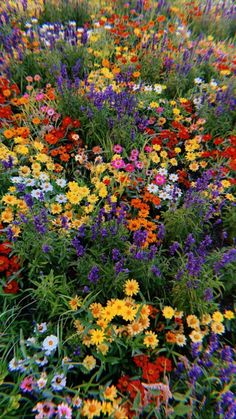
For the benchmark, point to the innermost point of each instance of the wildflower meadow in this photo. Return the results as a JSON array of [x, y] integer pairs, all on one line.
[[117, 209]]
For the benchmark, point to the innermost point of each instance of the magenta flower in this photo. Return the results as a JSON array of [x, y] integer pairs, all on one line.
[[64, 411], [117, 148], [27, 384], [160, 179], [129, 168], [118, 164]]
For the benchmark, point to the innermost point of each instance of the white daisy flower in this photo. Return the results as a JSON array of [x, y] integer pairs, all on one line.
[[44, 177], [36, 193], [173, 177], [58, 382], [152, 188], [162, 171], [40, 327], [61, 182], [198, 80], [47, 187], [50, 344]]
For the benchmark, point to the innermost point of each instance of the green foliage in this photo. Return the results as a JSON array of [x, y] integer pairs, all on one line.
[[180, 222], [65, 10], [51, 293]]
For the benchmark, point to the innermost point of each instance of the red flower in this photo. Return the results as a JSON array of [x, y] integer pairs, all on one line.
[[5, 248], [123, 383], [134, 387], [140, 360], [4, 263], [151, 372], [11, 288], [163, 364], [66, 121]]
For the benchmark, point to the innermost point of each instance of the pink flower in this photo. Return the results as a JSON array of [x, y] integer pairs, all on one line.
[[139, 164], [129, 168], [37, 77], [117, 148], [135, 153], [50, 112], [29, 79], [64, 411], [147, 148], [39, 96], [27, 384], [44, 409], [160, 180], [118, 163]]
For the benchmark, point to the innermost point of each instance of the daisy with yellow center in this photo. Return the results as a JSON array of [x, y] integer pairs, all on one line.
[[180, 340], [75, 302], [97, 336], [192, 321], [217, 328], [131, 287], [129, 314], [228, 314], [196, 336], [168, 312], [91, 408], [150, 340], [110, 393], [89, 362], [217, 317]]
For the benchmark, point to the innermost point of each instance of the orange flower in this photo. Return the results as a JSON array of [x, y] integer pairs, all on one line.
[[6, 93], [161, 19], [36, 121], [143, 213], [133, 225], [170, 337], [8, 133], [136, 203]]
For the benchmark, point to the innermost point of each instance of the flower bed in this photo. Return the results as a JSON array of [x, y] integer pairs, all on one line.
[[117, 209]]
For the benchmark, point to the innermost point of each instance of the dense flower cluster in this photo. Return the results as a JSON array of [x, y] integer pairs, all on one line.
[[117, 209]]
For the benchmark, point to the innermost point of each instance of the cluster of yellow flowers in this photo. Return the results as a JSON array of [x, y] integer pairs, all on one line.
[[138, 316]]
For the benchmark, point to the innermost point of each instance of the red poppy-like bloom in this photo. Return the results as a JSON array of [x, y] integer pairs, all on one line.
[[140, 360], [4, 263], [123, 383], [11, 288], [151, 372], [5, 248], [163, 364], [134, 387]]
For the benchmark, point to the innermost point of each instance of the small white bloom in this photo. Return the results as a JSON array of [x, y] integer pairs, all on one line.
[[36, 193], [58, 382], [30, 341], [41, 383], [44, 177], [61, 198], [14, 365], [40, 327], [158, 88], [198, 80], [152, 188], [50, 344], [17, 179], [41, 361], [47, 187], [61, 182], [29, 182], [162, 171], [173, 177]]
